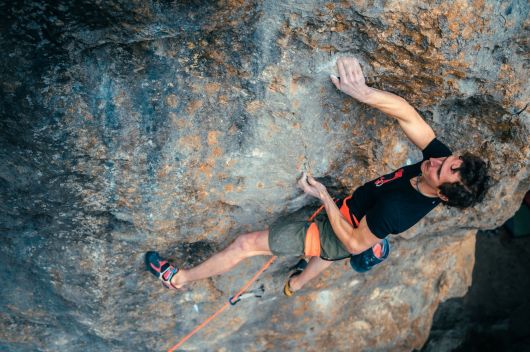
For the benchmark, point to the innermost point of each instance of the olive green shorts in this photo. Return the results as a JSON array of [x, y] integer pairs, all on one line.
[[287, 237]]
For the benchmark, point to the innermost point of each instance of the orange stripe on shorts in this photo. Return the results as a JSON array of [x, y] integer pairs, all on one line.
[[312, 241]]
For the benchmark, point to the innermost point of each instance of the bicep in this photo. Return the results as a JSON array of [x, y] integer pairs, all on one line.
[[417, 130], [414, 126]]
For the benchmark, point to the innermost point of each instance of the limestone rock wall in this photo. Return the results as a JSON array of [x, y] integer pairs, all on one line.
[[134, 125]]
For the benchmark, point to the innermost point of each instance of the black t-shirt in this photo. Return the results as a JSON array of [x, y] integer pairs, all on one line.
[[391, 204]]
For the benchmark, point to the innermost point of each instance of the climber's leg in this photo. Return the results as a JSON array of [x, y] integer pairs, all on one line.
[[315, 266], [244, 246]]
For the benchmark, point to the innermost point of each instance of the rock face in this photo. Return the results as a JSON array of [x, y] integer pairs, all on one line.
[[136, 125], [473, 322]]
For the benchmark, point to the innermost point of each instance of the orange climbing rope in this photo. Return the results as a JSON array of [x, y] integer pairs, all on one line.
[[316, 213], [231, 301]]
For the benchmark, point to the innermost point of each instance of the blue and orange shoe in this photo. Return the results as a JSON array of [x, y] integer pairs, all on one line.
[[160, 268], [371, 257]]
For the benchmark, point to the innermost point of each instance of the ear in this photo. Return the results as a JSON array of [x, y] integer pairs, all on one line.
[[442, 196]]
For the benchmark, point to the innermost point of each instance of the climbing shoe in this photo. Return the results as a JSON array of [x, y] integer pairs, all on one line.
[[160, 268], [298, 269], [371, 257]]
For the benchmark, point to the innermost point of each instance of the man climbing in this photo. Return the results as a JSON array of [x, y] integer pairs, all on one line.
[[355, 226]]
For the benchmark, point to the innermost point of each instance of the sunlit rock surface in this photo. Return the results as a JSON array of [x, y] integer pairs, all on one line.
[[135, 125]]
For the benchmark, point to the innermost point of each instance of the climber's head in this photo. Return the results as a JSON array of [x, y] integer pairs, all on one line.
[[461, 181]]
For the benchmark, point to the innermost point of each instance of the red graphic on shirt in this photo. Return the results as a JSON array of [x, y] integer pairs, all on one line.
[[381, 180]]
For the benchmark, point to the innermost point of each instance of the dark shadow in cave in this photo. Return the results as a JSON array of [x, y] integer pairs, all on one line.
[[494, 315]]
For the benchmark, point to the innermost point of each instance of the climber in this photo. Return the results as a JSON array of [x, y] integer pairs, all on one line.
[[354, 227]]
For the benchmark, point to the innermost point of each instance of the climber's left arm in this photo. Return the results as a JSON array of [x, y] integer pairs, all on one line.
[[352, 82]]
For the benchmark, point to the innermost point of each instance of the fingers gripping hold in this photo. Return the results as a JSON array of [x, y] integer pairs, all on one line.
[[352, 81], [341, 67], [311, 186], [306, 187], [335, 80]]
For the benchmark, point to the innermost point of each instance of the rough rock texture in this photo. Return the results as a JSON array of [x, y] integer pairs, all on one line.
[[135, 125], [473, 322]]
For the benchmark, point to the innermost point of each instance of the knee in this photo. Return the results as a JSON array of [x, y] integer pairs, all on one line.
[[248, 242], [243, 243]]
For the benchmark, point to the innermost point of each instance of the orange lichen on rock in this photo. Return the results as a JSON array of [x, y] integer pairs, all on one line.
[[190, 143], [212, 88], [207, 168], [223, 100], [508, 84], [193, 106], [164, 225], [171, 100], [212, 137], [217, 151], [164, 170], [254, 106], [277, 85]]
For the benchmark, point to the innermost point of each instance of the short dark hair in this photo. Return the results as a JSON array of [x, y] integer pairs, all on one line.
[[474, 183]]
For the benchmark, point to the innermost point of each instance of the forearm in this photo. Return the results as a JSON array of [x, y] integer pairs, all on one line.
[[415, 128], [389, 103], [355, 240], [352, 82], [342, 228]]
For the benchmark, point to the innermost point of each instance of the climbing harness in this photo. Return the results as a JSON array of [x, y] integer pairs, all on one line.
[[312, 237], [348, 215]]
